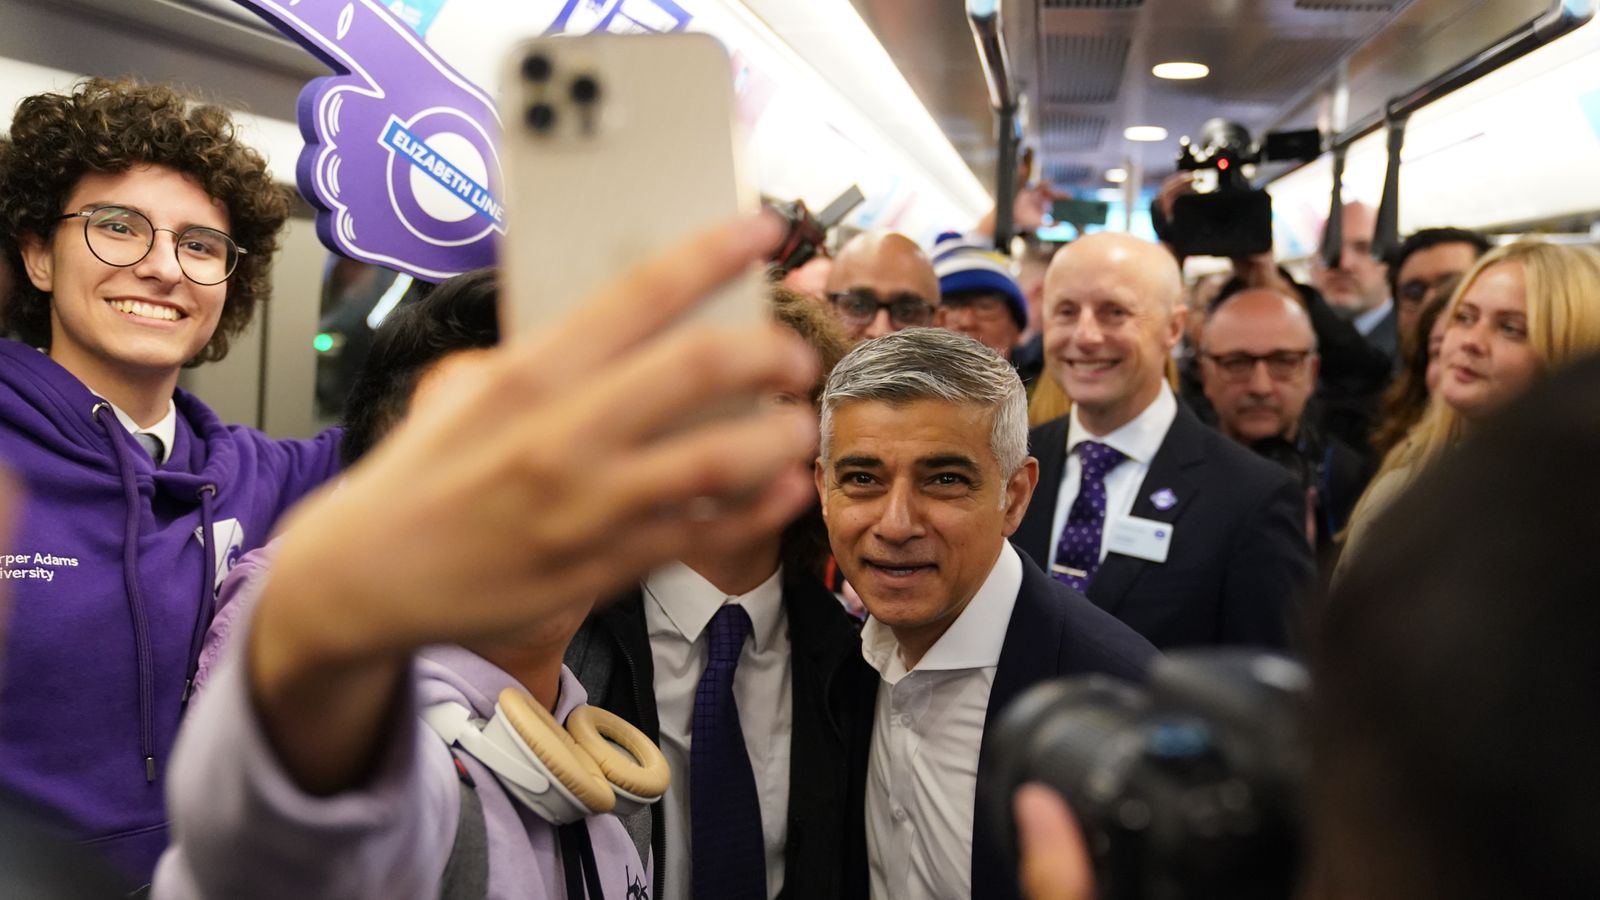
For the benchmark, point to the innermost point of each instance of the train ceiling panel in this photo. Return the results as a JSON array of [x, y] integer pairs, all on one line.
[[1084, 66], [1273, 68], [1065, 133], [1349, 5], [1067, 173], [1093, 4]]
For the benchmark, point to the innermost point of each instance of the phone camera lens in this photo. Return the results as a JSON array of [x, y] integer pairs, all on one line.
[[537, 68], [585, 89], [541, 116]]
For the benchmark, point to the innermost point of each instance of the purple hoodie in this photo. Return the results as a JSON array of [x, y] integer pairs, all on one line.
[[113, 573]]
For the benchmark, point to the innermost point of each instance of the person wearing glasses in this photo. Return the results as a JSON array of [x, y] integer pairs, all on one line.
[[140, 232], [1420, 264], [978, 295], [1182, 534], [880, 283], [1258, 364]]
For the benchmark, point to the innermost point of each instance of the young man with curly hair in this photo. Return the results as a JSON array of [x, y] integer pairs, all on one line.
[[140, 233]]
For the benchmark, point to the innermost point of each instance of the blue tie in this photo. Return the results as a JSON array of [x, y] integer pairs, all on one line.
[[151, 444], [1078, 551], [729, 858]]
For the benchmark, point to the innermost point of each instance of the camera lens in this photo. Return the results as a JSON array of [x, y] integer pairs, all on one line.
[[541, 116], [536, 68], [585, 89]]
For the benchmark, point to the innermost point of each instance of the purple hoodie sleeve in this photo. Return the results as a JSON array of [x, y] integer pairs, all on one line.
[[302, 466], [242, 829]]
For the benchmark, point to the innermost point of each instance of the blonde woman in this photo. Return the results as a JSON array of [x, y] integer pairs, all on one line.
[[1523, 310]]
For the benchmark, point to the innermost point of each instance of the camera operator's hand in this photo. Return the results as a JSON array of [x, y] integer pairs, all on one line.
[[1032, 203], [552, 470], [1261, 271], [1172, 187], [1055, 863]]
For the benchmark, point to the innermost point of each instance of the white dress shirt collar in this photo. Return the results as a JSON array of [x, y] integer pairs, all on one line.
[[1139, 439], [1369, 320], [688, 601], [973, 640], [165, 430]]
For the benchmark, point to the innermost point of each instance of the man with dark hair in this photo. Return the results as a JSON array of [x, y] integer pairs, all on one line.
[[924, 473], [466, 317], [795, 683], [1421, 263]]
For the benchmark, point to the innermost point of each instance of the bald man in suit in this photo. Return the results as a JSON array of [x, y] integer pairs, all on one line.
[[1185, 536]]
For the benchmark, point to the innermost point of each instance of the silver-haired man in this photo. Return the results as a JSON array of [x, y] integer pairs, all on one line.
[[924, 474]]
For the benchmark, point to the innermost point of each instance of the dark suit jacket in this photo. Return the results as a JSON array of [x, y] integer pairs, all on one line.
[[1054, 632], [1385, 335], [833, 690], [1238, 557]]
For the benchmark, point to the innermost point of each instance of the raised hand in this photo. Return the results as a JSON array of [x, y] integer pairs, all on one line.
[[401, 158], [552, 470]]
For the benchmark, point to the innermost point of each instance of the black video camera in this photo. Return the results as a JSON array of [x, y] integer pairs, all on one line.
[[1228, 217], [1187, 787], [805, 233]]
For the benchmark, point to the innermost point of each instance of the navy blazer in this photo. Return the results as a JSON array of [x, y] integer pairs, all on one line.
[[1238, 558], [1054, 632], [833, 690]]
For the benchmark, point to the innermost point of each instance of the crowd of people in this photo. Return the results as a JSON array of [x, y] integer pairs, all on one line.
[[532, 624]]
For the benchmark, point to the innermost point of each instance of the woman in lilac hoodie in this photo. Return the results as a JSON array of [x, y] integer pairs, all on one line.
[[140, 233], [456, 560]]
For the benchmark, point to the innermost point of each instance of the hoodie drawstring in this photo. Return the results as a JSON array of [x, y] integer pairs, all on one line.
[[208, 593], [130, 580]]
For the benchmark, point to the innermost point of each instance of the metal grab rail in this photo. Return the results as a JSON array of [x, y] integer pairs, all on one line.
[[984, 17], [1563, 17]]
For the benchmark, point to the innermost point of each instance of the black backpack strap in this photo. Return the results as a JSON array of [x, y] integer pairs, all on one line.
[[466, 875], [578, 862]]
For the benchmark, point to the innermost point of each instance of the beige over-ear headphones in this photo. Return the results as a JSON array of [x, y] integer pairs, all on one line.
[[597, 764]]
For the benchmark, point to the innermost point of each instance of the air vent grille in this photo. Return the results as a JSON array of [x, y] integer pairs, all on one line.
[[1083, 68], [1358, 6], [1093, 4], [1072, 133], [1065, 174], [1279, 68]]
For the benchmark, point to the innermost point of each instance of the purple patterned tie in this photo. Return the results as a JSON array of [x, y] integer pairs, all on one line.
[[729, 856], [1078, 552]]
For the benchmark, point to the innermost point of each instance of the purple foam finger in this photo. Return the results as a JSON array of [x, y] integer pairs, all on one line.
[[401, 159]]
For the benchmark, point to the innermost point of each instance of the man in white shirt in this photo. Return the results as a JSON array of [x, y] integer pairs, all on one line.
[[1179, 532], [764, 815], [923, 475]]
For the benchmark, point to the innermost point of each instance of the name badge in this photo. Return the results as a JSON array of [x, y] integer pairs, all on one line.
[[1141, 538]]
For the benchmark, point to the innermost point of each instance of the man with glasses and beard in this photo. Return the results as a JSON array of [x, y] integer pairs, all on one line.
[[1258, 363], [882, 282]]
